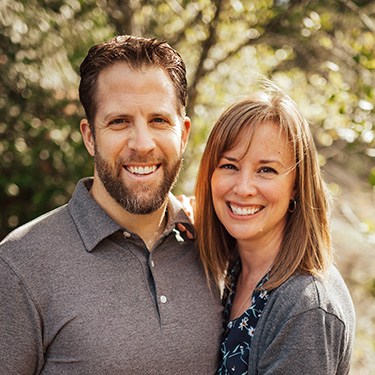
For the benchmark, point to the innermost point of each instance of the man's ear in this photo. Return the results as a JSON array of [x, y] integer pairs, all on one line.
[[88, 136], [185, 133]]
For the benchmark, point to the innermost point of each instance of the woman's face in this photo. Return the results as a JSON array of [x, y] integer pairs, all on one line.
[[251, 189]]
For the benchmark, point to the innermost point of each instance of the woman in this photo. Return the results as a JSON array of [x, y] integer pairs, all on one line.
[[262, 229]]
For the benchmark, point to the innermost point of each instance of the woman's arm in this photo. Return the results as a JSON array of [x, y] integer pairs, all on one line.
[[307, 327], [314, 342]]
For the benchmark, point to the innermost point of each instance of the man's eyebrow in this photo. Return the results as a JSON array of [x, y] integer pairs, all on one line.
[[110, 115], [159, 113], [165, 114]]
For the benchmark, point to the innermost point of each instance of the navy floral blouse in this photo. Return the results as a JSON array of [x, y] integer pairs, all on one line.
[[239, 332]]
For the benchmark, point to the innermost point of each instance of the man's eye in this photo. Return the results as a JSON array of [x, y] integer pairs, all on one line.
[[117, 121], [159, 120]]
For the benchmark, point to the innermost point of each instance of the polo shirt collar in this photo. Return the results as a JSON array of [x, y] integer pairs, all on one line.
[[94, 224], [176, 214]]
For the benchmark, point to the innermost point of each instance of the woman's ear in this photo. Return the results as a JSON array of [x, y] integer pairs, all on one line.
[[88, 136]]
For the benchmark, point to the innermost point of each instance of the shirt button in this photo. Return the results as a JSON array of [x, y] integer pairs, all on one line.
[[152, 264], [126, 234], [163, 299]]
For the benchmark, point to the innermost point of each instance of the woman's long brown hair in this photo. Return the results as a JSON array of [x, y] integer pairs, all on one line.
[[306, 246]]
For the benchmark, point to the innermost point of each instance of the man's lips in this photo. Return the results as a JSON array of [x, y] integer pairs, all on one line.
[[142, 169]]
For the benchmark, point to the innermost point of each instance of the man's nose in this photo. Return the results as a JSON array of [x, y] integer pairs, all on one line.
[[141, 139]]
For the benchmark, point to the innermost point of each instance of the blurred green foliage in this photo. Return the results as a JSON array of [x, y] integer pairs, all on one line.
[[42, 154], [321, 52]]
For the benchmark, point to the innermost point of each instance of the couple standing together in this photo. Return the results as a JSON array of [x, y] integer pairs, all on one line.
[[111, 284]]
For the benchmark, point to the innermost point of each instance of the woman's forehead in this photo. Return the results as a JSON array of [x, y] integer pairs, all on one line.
[[268, 137]]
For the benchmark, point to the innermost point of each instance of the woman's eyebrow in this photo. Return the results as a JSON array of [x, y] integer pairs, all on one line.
[[269, 161], [230, 158], [261, 161]]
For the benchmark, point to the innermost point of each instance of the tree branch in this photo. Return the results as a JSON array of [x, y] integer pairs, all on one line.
[[270, 27], [367, 21], [208, 43], [178, 36]]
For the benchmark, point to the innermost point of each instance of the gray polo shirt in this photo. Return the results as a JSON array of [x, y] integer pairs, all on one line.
[[81, 295]]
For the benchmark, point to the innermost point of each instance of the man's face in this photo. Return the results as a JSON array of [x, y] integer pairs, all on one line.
[[139, 137]]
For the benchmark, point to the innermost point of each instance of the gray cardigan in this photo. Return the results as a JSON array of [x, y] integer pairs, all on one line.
[[307, 327]]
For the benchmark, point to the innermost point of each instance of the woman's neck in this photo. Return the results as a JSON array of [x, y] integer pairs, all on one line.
[[258, 258]]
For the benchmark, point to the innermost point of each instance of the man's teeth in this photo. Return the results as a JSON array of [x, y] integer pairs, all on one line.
[[142, 170], [244, 211]]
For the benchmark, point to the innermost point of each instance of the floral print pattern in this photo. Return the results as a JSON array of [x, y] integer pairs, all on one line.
[[240, 332]]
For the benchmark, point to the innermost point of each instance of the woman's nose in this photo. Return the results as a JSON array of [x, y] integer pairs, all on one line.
[[245, 184]]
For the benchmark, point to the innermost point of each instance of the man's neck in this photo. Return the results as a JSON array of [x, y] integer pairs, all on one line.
[[149, 227]]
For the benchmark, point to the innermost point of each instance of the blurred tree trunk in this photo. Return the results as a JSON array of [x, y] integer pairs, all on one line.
[[120, 14]]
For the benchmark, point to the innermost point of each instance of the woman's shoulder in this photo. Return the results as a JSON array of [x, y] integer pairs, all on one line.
[[307, 318], [302, 293]]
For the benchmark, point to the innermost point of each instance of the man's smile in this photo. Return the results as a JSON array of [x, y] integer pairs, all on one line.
[[142, 170]]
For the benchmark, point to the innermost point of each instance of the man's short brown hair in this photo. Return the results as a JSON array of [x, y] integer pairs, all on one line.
[[137, 52]]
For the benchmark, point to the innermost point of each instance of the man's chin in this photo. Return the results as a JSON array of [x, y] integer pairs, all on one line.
[[141, 206], [137, 196]]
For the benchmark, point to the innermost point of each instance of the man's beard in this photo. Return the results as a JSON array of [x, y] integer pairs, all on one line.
[[140, 200]]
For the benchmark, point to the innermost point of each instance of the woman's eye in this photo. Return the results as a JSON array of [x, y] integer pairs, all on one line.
[[228, 166], [267, 170]]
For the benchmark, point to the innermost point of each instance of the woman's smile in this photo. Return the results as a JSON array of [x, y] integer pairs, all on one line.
[[243, 210]]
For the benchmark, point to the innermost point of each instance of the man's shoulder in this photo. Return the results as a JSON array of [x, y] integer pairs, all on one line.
[[37, 230]]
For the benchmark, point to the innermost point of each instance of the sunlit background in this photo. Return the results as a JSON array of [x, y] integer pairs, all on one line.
[[320, 52]]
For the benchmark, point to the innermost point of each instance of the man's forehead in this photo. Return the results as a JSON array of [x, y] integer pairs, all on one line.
[[153, 74]]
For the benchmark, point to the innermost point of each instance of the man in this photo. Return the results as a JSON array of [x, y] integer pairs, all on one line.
[[107, 284]]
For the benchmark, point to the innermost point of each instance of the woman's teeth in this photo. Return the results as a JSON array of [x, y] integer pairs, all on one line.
[[244, 211]]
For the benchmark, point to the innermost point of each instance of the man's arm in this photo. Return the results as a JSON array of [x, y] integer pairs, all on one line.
[[21, 349]]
